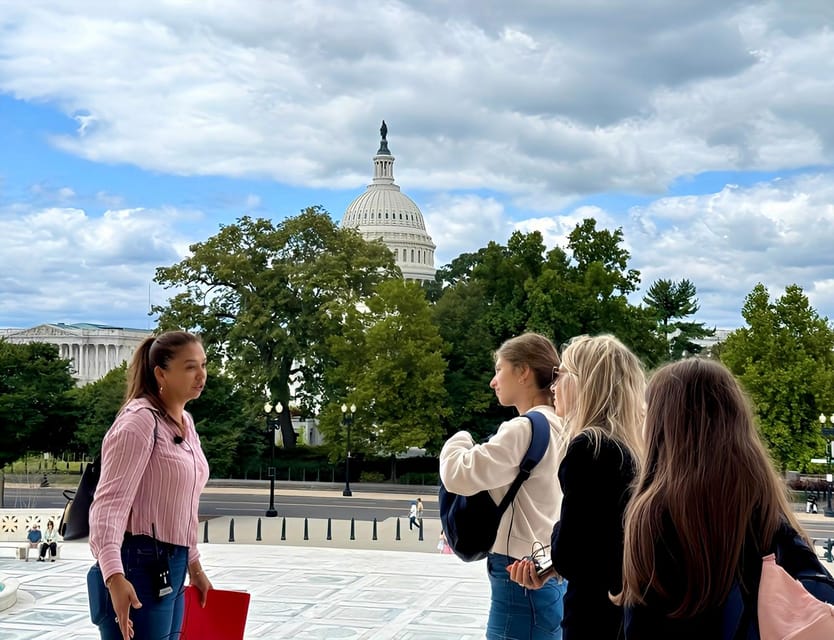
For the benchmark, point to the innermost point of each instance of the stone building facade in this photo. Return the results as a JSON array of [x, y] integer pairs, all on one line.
[[93, 349]]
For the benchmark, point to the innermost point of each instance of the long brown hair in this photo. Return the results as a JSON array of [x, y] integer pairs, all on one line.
[[535, 351], [155, 351], [708, 473], [610, 386]]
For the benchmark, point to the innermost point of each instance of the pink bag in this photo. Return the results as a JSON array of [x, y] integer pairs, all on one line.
[[787, 611]]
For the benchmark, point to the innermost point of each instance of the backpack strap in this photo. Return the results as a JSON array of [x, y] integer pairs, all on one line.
[[535, 452]]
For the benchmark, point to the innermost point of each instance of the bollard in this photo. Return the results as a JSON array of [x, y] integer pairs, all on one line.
[[283, 528], [258, 534], [398, 530], [205, 532], [232, 530], [352, 530], [329, 532], [306, 530], [420, 533], [373, 537]]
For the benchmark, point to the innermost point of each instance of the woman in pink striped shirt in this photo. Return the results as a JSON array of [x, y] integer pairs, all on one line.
[[143, 521]]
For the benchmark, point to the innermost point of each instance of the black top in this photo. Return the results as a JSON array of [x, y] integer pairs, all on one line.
[[587, 542], [736, 616]]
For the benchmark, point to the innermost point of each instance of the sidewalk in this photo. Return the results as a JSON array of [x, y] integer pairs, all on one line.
[[300, 589]]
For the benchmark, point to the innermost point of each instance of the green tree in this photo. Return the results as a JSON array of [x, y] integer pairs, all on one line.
[[388, 362], [584, 289], [98, 403], [231, 431], [459, 316], [501, 291], [669, 301], [263, 297], [784, 359], [36, 408]]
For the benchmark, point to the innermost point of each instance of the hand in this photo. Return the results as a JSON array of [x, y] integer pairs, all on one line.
[[124, 599], [523, 572], [199, 579]]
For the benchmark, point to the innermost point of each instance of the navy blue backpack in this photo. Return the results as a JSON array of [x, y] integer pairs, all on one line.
[[471, 522]]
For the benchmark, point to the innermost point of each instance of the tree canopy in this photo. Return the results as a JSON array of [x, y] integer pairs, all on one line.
[[36, 410], [388, 362], [784, 357], [671, 302], [98, 403], [502, 291], [262, 296]]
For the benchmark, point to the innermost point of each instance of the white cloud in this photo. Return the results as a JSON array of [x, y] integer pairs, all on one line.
[[523, 101], [503, 114], [464, 223], [61, 264], [778, 233]]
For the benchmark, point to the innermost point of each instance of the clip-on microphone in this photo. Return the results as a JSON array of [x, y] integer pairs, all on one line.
[[177, 440]]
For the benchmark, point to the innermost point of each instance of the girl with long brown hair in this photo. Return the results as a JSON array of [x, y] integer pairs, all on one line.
[[708, 505]]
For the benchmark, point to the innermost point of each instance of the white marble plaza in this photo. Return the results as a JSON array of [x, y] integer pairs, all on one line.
[[297, 592]]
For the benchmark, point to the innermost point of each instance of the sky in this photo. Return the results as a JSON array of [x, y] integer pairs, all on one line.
[[130, 130]]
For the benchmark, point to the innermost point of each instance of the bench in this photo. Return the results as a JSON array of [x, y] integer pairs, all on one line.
[[15, 525], [22, 550]]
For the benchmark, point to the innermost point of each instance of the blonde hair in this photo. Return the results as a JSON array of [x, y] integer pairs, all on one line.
[[610, 386], [699, 429], [535, 351]]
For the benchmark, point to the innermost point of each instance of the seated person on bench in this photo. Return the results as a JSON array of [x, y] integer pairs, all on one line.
[[49, 543], [34, 538]]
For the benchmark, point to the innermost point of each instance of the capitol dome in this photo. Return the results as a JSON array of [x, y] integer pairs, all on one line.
[[384, 212]]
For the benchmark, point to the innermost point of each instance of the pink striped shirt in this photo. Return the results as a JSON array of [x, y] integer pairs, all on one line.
[[138, 488]]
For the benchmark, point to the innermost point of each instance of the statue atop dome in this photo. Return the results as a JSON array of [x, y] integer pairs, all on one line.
[[383, 131]]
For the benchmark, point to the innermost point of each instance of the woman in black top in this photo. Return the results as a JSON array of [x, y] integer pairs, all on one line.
[[707, 507], [599, 393]]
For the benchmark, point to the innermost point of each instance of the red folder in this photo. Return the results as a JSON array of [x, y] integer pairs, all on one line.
[[223, 618]]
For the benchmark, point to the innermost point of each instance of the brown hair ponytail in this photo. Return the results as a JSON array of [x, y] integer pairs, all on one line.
[[155, 351]]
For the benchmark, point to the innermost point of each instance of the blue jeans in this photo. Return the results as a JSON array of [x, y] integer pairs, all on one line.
[[516, 613], [158, 618]]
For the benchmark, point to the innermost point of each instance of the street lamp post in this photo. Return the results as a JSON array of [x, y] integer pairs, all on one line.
[[347, 420], [273, 423], [829, 449]]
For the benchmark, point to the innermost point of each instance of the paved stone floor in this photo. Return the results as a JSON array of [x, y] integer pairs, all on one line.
[[301, 592]]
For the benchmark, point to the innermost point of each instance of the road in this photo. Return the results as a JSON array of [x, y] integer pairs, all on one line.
[[301, 503], [239, 502]]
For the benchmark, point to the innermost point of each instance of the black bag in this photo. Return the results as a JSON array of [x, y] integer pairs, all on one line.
[[75, 521], [471, 522]]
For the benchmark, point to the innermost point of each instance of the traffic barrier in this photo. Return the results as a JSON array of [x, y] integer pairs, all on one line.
[[306, 530], [373, 537], [420, 532], [329, 531], [232, 530], [205, 531], [352, 530], [258, 534], [398, 530], [283, 528]]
